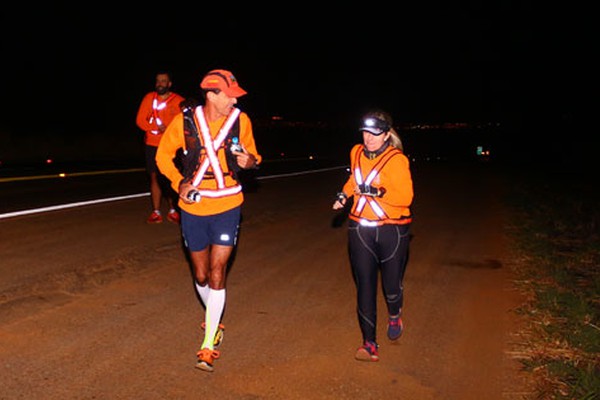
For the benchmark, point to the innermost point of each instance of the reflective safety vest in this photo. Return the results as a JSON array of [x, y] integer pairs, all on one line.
[[211, 147], [156, 107], [368, 198]]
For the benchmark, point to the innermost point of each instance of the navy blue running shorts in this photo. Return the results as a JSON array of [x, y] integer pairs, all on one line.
[[200, 231]]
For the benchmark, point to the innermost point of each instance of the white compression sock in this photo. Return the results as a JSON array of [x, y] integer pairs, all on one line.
[[203, 291], [214, 311]]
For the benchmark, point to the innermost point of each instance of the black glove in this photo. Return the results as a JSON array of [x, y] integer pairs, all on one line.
[[341, 197]]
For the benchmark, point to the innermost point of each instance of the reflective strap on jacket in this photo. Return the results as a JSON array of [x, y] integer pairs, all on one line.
[[399, 221], [156, 107], [212, 159], [362, 199], [221, 192], [366, 222]]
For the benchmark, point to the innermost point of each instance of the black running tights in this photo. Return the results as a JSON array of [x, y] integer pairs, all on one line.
[[373, 249]]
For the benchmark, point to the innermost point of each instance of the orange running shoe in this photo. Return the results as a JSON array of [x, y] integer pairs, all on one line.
[[206, 359]]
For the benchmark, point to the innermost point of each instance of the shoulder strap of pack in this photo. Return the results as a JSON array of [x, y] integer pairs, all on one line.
[[232, 164], [193, 146]]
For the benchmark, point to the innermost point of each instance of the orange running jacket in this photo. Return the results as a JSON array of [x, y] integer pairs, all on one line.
[[393, 175], [173, 139], [146, 119]]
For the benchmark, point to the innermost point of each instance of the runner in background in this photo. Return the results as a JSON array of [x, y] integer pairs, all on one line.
[[156, 111]]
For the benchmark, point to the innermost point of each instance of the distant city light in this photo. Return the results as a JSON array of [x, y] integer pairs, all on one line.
[[481, 152]]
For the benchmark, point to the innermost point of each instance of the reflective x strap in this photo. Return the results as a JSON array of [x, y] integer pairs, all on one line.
[[358, 176], [375, 206], [222, 192], [371, 176], [156, 107], [159, 106], [212, 145], [363, 199], [366, 222]]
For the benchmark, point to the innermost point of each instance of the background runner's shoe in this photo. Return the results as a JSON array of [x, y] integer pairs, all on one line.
[[395, 328], [367, 352], [154, 218], [173, 216], [206, 359], [218, 335]]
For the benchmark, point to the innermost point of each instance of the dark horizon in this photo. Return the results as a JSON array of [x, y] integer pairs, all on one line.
[[72, 73]]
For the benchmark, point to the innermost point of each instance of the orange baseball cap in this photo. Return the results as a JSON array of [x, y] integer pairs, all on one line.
[[223, 80]]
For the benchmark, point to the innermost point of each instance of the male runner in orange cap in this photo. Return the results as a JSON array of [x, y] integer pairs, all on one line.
[[218, 141]]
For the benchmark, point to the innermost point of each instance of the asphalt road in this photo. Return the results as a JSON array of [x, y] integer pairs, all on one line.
[[96, 304]]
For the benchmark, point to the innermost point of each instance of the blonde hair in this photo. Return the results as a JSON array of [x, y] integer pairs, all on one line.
[[395, 140]]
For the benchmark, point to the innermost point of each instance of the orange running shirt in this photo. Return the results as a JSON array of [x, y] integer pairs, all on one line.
[[173, 139]]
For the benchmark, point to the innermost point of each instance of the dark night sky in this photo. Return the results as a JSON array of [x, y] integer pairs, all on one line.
[[70, 70]]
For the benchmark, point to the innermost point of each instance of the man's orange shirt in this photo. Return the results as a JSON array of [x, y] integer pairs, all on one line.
[[146, 114], [173, 139]]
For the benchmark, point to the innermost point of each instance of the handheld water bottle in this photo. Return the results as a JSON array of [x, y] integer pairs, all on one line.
[[235, 145]]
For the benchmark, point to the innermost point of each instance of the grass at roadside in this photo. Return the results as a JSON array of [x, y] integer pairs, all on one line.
[[555, 227]]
